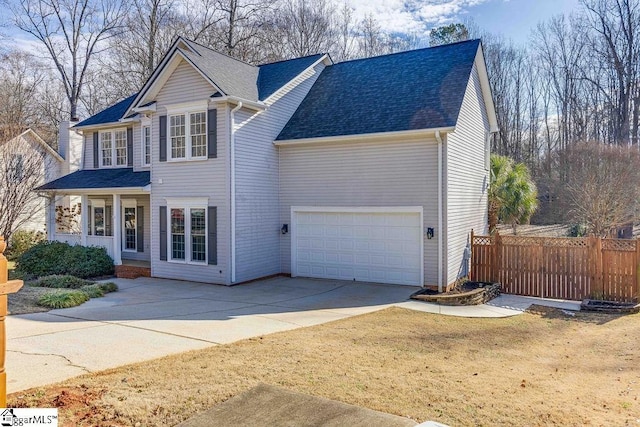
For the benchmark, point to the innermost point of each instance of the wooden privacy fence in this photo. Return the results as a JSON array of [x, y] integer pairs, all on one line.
[[562, 268]]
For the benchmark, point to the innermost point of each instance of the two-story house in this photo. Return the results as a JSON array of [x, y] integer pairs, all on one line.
[[218, 171]]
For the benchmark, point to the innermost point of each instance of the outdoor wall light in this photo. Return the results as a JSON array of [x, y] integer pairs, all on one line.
[[430, 233], [284, 229]]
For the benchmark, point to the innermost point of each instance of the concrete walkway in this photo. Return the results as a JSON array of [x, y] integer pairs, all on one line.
[[151, 318]]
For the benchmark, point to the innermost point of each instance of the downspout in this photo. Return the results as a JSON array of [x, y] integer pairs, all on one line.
[[232, 157], [440, 220]]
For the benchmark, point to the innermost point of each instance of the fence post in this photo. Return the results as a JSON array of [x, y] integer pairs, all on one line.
[[6, 287], [637, 271], [495, 261], [597, 282], [471, 256]]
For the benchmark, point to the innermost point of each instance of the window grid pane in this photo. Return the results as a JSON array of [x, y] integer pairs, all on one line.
[[198, 235], [147, 145], [98, 221], [107, 147], [177, 134], [177, 234], [130, 228], [121, 147], [198, 128]]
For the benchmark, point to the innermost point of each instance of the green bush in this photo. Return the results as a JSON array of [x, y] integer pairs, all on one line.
[[21, 241], [63, 298], [108, 287], [47, 258], [61, 281], [577, 230], [93, 291]]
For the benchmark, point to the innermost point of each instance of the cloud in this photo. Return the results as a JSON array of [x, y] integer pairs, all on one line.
[[412, 15]]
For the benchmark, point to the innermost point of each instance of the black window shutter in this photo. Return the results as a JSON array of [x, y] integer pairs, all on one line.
[[129, 147], [163, 233], [108, 216], [163, 138], [96, 149], [212, 134], [89, 225], [212, 244], [140, 228]]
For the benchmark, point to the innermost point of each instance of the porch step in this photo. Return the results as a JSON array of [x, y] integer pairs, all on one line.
[[132, 271]]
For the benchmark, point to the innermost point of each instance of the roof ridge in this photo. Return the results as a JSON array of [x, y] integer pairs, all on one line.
[[408, 51], [219, 53], [291, 59]]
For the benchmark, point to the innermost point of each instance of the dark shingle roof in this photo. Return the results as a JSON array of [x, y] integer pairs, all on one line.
[[109, 115], [277, 74], [418, 89], [100, 178], [232, 76]]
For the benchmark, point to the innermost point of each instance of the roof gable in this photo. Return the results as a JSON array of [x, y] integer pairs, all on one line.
[[419, 89]]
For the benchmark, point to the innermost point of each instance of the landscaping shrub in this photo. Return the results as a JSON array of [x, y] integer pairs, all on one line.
[[577, 230], [108, 287], [93, 291], [47, 258], [63, 298], [21, 241], [61, 281]]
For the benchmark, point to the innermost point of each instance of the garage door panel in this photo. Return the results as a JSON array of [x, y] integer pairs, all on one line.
[[362, 246]]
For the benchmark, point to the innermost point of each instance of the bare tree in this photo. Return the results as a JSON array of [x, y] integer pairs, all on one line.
[[305, 26], [72, 32], [599, 190]]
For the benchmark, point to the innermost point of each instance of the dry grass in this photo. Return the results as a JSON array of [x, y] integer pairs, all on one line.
[[26, 300], [535, 369]]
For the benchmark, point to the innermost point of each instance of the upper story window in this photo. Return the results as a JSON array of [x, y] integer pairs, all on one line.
[[17, 168], [113, 148], [146, 145], [188, 136]]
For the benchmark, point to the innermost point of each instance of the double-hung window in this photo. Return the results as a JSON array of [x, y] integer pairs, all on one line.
[[113, 148], [146, 145], [188, 135], [188, 234]]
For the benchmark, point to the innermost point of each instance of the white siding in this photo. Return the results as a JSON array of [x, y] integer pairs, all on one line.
[[137, 148], [204, 178], [145, 203], [257, 207], [365, 174], [88, 150], [466, 177]]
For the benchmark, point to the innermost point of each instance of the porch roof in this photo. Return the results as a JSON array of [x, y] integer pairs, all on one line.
[[117, 178]]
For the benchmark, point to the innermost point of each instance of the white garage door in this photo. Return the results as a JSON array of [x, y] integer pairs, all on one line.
[[384, 247]]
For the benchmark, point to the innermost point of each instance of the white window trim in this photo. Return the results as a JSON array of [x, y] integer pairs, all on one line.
[[187, 204], [186, 109], [98, 203], [113, 148], [146, 124], [129, 203]]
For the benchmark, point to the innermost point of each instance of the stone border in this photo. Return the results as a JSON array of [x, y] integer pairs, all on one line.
[[474, 297]]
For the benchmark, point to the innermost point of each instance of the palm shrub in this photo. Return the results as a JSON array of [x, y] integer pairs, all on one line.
[[513, 196]]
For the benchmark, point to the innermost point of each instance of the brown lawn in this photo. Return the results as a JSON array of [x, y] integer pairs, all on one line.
[[540, 368]]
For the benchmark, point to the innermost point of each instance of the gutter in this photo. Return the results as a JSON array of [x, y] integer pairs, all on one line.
[[233, 188], [378, 136], [254, 105], [440, 212]]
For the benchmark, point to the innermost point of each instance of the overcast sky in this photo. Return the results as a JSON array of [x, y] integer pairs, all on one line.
[[512, 18]]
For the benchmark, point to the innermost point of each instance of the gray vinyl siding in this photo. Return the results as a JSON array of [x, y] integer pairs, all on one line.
[[365, 174], [466, 177], [145, 202], [257, 207], [88, 150], [202, 178]]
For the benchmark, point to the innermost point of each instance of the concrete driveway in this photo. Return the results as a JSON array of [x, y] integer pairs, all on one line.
[[150, 318]]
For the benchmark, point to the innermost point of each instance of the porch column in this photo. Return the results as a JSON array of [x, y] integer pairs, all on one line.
[[51, 217], [84, 219], [117, 230]]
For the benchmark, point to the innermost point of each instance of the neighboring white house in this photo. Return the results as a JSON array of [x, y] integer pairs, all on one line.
[[27, 161], [222, 172]]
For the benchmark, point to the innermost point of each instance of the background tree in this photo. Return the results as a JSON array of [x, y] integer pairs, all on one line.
[[513, 197], [600, 188], [448, 34], [72, 32]]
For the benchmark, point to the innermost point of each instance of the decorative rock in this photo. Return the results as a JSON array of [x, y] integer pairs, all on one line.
[[484, 292]]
